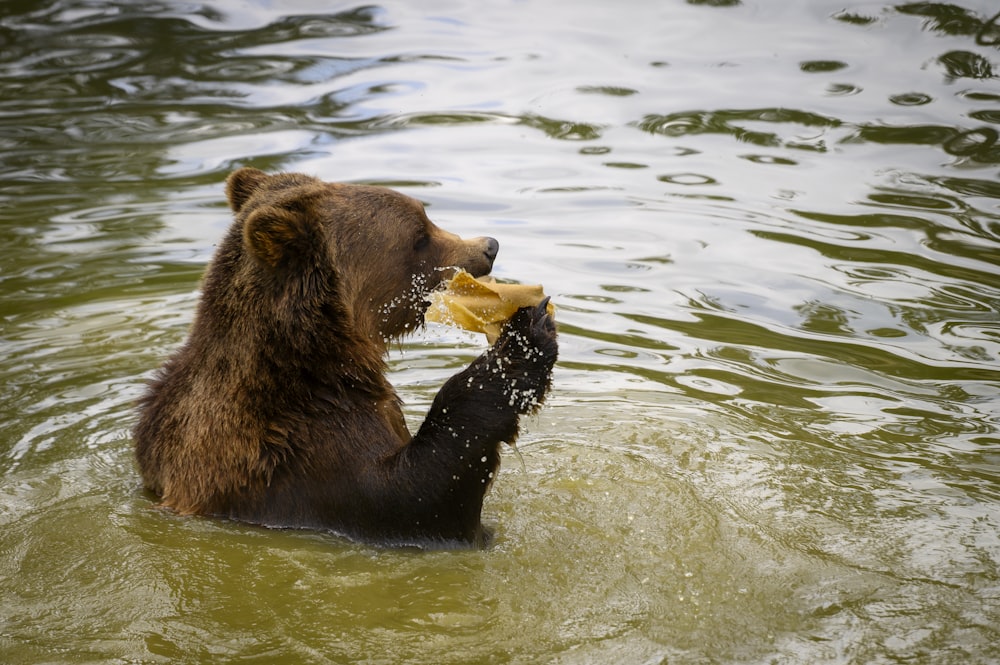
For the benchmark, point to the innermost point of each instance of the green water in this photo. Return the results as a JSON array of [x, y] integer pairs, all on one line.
[[772, 230]]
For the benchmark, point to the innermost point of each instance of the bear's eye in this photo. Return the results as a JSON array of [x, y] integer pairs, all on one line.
[[422, 242]]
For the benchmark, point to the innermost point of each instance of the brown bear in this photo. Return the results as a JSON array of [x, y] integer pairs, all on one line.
[[277, 411]]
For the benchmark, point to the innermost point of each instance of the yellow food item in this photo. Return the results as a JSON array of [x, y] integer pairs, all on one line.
[[483, 304]]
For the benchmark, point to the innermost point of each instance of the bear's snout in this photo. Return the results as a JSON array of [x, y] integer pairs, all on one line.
[[482, 255], [491, 250]]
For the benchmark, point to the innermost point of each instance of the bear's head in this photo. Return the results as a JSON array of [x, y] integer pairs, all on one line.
[[372, 249]]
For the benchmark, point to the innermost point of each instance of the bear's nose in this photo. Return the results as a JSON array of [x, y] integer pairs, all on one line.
[[492, 247]]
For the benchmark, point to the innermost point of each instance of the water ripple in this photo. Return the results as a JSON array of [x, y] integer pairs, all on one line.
[[771, 230]]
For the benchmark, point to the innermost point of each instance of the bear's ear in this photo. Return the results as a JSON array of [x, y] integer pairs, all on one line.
[[284, 231], [241, 184]]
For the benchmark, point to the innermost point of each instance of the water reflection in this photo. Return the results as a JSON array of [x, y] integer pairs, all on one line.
[[772, 231]]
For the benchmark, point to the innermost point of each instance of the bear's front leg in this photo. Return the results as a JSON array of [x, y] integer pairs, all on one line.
[[511, 379], [455, 454]]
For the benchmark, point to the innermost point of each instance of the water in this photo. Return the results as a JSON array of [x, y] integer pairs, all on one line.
[[772, 230]]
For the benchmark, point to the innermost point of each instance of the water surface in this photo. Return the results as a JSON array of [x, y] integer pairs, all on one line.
[[772, 230]]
